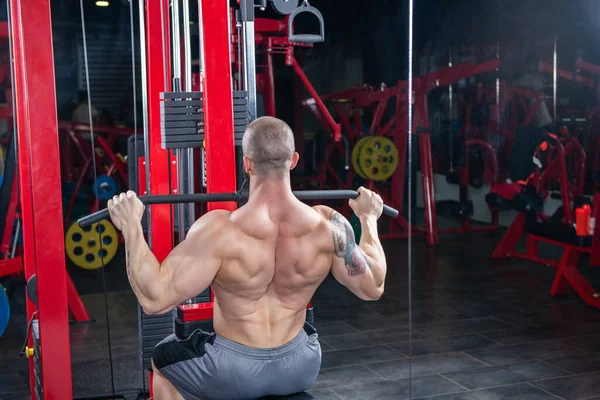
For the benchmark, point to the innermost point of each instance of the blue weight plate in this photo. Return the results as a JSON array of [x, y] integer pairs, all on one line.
[[4, 310], [105, 187]]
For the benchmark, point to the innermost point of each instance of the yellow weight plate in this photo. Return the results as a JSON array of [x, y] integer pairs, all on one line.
[[83, 246], [378, 158], [356, 155]]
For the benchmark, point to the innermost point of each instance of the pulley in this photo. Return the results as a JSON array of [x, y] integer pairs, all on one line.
[[93, 246], [105, 187], [375, 158], [4, 310], [284, 7]]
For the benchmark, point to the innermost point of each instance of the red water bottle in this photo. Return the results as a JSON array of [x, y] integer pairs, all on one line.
[[582, 220]]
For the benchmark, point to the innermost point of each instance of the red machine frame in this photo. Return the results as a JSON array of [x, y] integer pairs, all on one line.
[[39, 178], [378, 101], [271, 39], [567, 273], [593, 142], [75, 146]]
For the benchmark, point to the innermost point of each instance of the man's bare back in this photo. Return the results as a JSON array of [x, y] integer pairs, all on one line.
[[264, 262], [279, 255]]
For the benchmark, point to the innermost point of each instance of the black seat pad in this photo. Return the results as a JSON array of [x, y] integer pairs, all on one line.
[[557, 231]]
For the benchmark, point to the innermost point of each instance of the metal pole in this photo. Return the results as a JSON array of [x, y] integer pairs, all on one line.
[[176, 45], [247, 11], [187, 46], [450, 110], [497, 99], [13, 250], [240, 82], [201, 44], [180, 153], [554, 78], [187, 49], [144, 82]]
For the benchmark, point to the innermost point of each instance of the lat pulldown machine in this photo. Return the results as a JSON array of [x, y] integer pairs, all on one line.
[[175, 119], [180, 120]]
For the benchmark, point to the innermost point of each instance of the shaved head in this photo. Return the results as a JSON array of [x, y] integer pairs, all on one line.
[[269, 144]]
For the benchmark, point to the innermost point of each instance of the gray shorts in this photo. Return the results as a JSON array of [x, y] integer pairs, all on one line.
[[207, 366]]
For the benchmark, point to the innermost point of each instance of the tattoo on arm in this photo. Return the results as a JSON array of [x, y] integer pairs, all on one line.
[[345, 247]]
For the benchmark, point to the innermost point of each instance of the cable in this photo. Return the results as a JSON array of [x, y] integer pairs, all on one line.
[[92, 139], [135, 131], [13, 128], [410, 166]]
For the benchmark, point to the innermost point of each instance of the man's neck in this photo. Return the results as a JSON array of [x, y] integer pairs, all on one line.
[[273, 188]]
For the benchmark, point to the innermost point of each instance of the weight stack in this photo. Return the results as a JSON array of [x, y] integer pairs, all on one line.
[[182, 118], [151, 330], [37, 361]]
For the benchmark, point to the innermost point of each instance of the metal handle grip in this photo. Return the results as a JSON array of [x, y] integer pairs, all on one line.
[[306, 38], [236, 197]]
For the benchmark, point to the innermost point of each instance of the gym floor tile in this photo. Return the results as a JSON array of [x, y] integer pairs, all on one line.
[[332, 377], [537, 318], [14, 366], [13, 383], [460, 327], [93, 377], [523, 352], [515, 392], [532, 334], [334, 328], [444, 345], [482, 378], [585, 343], [573, 387], [452, 312], [16, 396], [121, 340], [347, 314], [398, 389], [340, 358], [325, 346], [375, 322], [581, 364], [429, 365], [361, 339]]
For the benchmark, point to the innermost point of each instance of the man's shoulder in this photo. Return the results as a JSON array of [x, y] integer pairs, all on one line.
[[329, 214], [323, 210], [212, 221]]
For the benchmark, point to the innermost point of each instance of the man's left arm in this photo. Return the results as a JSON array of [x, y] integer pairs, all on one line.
[[188, 269]]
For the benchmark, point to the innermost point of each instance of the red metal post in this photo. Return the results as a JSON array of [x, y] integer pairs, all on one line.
[[157, 33], [421, 120], [39, 180], [431, 233], [335, 128], [218, 102], [269, 76]]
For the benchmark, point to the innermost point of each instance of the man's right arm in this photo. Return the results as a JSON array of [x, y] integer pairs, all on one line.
[[360, 267]]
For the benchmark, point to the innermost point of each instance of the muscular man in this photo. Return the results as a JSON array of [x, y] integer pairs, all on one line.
[[264, 262]]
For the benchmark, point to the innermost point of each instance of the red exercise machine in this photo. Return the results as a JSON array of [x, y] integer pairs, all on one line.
[[562, 229], [351, 106]]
